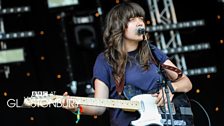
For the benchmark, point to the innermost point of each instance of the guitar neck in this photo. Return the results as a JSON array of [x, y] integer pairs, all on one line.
[[110, 103]]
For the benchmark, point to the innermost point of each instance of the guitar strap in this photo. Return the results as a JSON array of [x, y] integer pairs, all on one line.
[[120, 86], [178, 71]]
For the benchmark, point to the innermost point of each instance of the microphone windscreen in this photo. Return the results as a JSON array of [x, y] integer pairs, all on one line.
[[141, 31]]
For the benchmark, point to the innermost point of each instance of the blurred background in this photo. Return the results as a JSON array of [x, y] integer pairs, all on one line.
[[51, 45]]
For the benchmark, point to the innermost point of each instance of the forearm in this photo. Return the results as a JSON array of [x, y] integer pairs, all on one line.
[[91, 110], [182, 85]]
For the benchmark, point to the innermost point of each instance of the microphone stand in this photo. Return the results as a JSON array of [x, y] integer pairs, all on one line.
[[73, 83], [165, 83]]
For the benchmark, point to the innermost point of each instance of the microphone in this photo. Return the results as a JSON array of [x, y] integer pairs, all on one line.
[[141, 31]]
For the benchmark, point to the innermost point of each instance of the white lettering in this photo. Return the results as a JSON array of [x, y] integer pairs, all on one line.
[[11, 103]]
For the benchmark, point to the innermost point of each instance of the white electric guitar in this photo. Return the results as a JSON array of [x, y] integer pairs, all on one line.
[[144, 104]]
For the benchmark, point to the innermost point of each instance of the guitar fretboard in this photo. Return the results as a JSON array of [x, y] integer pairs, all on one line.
[[111, 103]]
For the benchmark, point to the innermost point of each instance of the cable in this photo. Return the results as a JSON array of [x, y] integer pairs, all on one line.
[[209, 121]]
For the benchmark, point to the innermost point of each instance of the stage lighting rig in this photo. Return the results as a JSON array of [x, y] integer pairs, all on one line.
[[61, 3], [199, 71], [14, 10], [8, 56], [12, 55], [188, 48], [179, 25], [17, 35], [165, 20]]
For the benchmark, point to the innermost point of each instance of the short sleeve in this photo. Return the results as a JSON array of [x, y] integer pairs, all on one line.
[[101, 70], [158, 54]]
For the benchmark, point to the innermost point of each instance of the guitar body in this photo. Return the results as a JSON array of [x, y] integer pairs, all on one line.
[[149, 112], [153, 115]]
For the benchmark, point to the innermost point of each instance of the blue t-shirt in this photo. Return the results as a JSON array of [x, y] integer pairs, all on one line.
[[134, 75]]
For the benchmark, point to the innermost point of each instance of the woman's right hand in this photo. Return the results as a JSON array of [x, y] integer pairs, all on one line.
[[68, 103]]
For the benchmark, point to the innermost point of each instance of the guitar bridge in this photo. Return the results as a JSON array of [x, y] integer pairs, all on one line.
[[176, 122]]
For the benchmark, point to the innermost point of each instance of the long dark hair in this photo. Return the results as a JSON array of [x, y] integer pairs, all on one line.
[[115, 53]]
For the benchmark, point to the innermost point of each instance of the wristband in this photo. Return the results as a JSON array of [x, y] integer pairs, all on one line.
[[78, 112]]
